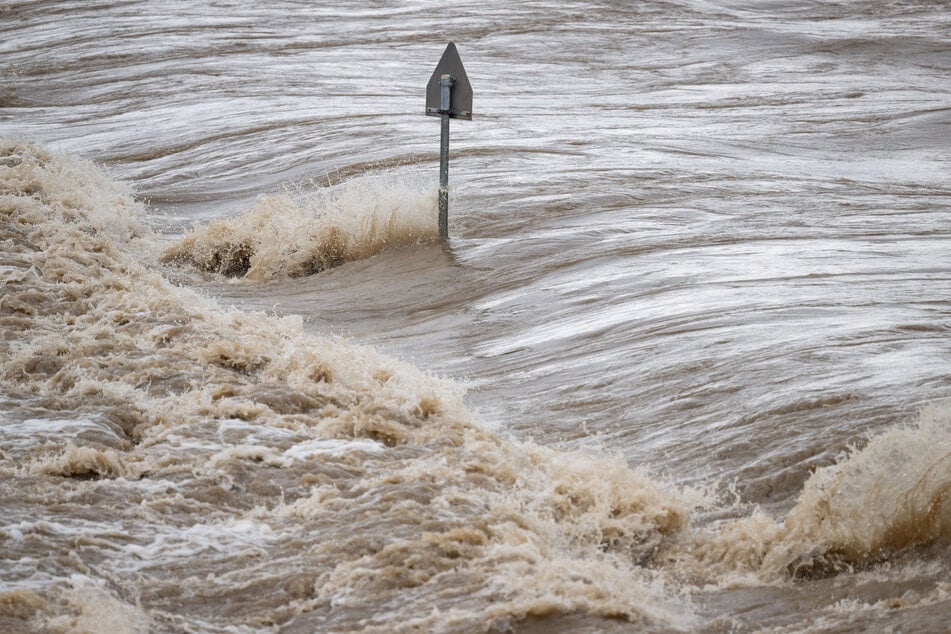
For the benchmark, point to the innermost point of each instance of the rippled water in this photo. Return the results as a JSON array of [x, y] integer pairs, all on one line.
[[706, 241]]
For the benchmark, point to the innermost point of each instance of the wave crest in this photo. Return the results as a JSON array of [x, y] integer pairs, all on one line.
[[876, 502], [289, 235], [893, 494], [214, 419]]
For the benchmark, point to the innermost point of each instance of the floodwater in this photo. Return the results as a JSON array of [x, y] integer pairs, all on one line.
[[683, 365]]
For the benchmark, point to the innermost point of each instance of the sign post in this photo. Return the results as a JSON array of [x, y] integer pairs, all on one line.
[[448, 96]]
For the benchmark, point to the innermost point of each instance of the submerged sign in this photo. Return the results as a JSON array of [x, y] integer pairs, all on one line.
[[448, 96], [460, 93]]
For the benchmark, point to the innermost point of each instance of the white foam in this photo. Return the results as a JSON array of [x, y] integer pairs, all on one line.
[[26, 433], [333, 447], [252, 432], [299, 233], [74, 528], [232, 536]]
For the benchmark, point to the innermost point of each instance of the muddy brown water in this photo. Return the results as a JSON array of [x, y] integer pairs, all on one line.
[[682, 365]]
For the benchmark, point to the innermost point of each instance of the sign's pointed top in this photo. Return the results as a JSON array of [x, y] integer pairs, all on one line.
[[460, 101], [450, 51]]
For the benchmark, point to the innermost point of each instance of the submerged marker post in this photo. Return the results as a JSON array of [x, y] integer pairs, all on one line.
[[448, 96], [445, 91]]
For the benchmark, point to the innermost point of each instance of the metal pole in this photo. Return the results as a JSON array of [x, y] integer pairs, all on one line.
[[445, 84]]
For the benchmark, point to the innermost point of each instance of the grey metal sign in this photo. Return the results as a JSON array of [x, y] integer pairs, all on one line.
[[448, 96], [460, 97]]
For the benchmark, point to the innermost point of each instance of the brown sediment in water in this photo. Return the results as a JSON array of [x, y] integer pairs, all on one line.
[[218, 404], [293, 236], [270, 477]]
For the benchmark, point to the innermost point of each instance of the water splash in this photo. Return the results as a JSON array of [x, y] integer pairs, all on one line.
[[293, 235]]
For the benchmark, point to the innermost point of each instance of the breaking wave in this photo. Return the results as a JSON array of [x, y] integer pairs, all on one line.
[[295, 235], [351, 485], [892, 495], [416, 505]]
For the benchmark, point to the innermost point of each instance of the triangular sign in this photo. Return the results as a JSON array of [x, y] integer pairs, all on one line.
[[460, 98]]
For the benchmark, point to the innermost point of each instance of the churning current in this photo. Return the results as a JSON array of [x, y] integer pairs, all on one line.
[[683, 364]]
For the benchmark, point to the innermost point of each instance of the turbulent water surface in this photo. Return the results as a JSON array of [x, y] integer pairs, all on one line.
[[683, 364]]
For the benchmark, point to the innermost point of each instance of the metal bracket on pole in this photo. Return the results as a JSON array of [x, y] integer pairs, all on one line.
[[448, 96]]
